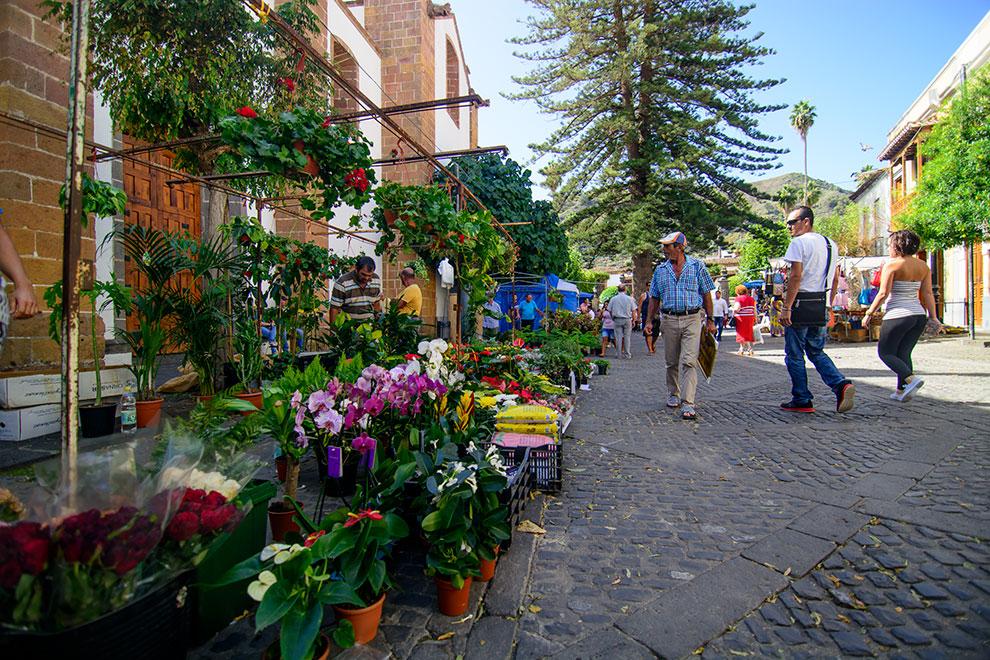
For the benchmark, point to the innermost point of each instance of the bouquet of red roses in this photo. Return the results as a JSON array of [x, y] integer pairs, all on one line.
[[95, 554], [201, 518], [23, 558]]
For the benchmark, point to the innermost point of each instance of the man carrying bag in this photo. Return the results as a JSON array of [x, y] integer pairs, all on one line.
[[813, 259]]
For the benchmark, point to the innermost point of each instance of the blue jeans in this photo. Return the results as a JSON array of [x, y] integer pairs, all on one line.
[[719, 324], [802, 341]]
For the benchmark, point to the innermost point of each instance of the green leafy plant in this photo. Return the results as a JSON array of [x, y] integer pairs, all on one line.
[[112, 294], [100, 198], [284, 144], [292, 584], [247, 358], [361, 543]]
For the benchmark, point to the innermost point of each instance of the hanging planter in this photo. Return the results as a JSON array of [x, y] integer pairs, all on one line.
[[311, 167]]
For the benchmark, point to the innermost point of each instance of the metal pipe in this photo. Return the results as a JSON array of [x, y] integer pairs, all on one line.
[[71, 238]]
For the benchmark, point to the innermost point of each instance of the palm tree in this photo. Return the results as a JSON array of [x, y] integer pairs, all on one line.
[[802, 119]]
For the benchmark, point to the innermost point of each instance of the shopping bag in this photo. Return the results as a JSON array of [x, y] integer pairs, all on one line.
[[707, 352], [757, 335]]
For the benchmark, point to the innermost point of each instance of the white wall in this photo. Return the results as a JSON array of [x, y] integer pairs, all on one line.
[[450, 136], [369, 63], [103, 134], [972, 53]]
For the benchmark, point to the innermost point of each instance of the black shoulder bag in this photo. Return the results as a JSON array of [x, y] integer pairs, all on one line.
[[810, 308]]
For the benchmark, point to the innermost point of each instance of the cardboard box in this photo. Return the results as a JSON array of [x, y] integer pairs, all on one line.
[[27, 423], [42, 389]]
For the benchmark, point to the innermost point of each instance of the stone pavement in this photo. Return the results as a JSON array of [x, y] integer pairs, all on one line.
[[748, 532], [757, 532]]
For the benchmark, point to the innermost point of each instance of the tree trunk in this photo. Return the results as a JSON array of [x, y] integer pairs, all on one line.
[[217, 214], [291, 476], [642, 273], [805, 200]]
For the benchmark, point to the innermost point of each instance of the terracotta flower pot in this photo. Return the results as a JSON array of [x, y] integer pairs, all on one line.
[[390, 217], [488, 568], [280, 516], [312, 168], [364, 620], [451, 601], [204, 398], [255, 398], [281, 466], [149, 412]]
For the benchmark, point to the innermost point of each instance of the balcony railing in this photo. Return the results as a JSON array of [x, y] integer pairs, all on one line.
[[899, 203]]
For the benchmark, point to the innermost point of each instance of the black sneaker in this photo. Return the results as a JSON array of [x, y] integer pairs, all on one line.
[[798, 406], [844, 397]]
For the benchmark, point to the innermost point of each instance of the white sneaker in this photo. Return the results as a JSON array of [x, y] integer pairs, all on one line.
[[896, 396], [911, 388], [673, 401]]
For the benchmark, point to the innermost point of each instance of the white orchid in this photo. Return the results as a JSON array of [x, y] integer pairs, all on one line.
[[256, 590]]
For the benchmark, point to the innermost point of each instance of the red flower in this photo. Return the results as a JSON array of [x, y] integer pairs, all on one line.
[[411, 356], [184, 526], [194, 495], [215, 519], [214, 499], [354, 518], [289, 83], [327, 121], [460, 237], [246, 111], [312, 538], [357, 179]]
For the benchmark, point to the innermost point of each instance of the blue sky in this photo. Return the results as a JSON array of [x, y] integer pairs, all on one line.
[[860, 62]]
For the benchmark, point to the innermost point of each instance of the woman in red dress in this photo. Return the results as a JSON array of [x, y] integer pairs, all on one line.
[[745, 315]]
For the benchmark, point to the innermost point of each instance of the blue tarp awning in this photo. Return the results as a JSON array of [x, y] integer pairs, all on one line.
[[755, 284], [504, 293]]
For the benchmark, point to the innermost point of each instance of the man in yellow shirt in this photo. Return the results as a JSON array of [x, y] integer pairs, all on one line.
[[411, 298]]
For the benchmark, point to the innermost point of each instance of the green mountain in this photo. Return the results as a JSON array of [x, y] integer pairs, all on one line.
[[833, 198]]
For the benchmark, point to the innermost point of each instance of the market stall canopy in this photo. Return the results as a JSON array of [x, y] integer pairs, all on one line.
[[567, 290]]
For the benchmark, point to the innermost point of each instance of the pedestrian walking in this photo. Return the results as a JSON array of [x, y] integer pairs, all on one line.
[[644, 313], [622, 308], [608, 328], [680, 289], [528, 311], [813, 273], [491, 319], [906, 287], [745, 312], [720, 308]]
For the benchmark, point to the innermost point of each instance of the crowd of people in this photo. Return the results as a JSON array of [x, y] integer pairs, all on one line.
[[683, 302]]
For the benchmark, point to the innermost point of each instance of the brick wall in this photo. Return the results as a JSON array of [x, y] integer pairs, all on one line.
[[33, 74], [403, 29]]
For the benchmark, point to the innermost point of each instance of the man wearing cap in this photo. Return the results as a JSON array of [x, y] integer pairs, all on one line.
[[680, 289]]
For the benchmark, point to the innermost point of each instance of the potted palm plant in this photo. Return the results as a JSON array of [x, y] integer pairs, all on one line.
[[247, 360], [97, 419]]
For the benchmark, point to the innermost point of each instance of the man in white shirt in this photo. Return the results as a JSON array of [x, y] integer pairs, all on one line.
[[622, 308], [491, 319], [813, 273], [720, 310]]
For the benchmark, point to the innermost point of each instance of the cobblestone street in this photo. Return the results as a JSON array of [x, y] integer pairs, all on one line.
[[758, 532]]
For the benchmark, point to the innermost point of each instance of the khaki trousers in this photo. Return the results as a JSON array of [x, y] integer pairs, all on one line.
[[681, 341]]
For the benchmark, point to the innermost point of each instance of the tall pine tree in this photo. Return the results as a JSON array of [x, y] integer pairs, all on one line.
[[658, 118]]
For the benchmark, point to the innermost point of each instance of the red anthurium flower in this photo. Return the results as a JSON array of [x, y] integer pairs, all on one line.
[[312, 538], [246, 111], [460, 237], [354, 518], [327, 121], [289, 83]]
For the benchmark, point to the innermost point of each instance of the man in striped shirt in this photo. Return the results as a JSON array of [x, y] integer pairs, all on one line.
[[681, 288], [358, 293]]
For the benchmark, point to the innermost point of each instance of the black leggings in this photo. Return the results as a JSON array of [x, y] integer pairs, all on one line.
[[897, 340]]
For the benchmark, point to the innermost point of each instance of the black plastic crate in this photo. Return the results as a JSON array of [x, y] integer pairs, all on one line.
[[546, 466]]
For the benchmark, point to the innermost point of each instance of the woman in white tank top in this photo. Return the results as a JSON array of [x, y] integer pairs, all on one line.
[[906, 288]]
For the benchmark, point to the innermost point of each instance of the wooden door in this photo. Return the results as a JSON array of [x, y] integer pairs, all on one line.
[[154, 204]]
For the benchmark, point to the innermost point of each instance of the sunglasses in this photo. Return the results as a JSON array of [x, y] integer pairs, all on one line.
[[794, 222]]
